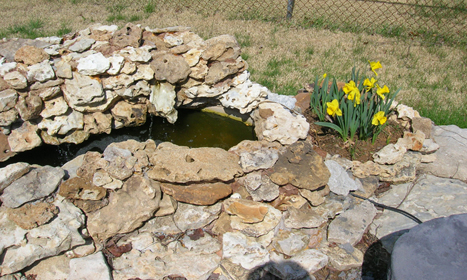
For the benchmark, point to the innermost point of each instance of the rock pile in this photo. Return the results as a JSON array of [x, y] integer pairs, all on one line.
[[146, 211], [60, 90]]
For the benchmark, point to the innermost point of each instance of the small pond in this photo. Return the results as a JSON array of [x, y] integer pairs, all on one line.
[[193, 129]]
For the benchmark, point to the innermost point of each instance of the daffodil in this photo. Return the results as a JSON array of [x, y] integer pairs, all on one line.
[[369, 84], [379, 118], [352, 92], [325, 75], [333, 108], [382, 90], [375, 65]]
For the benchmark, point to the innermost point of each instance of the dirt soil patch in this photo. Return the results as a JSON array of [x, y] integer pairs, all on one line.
[[330, 141]]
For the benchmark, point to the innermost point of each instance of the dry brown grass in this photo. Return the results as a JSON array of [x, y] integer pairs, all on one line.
[[432, 77]]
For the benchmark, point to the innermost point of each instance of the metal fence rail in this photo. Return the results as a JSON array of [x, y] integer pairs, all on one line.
[[439, 19]]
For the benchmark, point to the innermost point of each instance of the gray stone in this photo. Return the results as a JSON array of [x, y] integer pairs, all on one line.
[[451, 161], [82, 45], [163, 98], [258, 159], [340, 182], [82, 91], [16, 80], [402, 171], [435, 249], [244, 250], [59, 235], [343, 257], [93, 64], [90, 267], [290, 242], [190, 216], [8, 99], [12, 172], [275, 123], [267, 191], [40, 72], [128, 209], [390, 154], [350, 226], [305, 217], [161, 225], [299, 266], [177, 164], [53, 268], [431, 197], [38, 183]]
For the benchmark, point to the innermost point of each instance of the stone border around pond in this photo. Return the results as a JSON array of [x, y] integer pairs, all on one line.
[[141, 210]]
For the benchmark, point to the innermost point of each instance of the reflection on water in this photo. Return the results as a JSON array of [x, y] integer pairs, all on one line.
[[193, 129]]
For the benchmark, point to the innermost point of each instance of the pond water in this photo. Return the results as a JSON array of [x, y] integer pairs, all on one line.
[[193, 129]]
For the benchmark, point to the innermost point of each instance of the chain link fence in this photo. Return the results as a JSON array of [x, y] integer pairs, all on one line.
[[438, 20]]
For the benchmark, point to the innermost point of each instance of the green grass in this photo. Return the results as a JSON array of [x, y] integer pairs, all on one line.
[[150, 8], [30, 30]]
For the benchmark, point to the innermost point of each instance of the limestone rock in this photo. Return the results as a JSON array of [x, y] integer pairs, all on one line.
[[265, 191], [5, 150], [248, 211], [53, 268], [50, 239], [16, 80], [30, 55], [24, 138], [301, 167], [192, 56], [54, 107], [219, 70], [161, 225], [79, 188], [30, 216], [290, 242], [97, 123], [12, 172], [93, 64], [8, 99], [350, 226], [167, 206], [340, 182], [129, 35], [198, 194], [83, 91], [363, 170], [316, 197], [255, 155], [75, 137], [405, 111], [299, 266], [137, 54], [163, 98], [90, 267], [118, 82], [390, 154], [30, 107], [244, 250], [8, 117], [343, 257], [128, 209], [129, 114], [286, 100], [221, 48], [274, 123], [182, 165], [412, 141], [40, 72], [63, 124], [430, 197], [190, 216], [116, 64], [36, 184], [450, 156], [171, 68], [270, 221], [63, 69], [82, 45], [303, 217], [429, 147], [403, 171]]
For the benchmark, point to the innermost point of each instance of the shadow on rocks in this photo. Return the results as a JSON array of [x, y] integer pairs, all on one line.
[[287, 270]]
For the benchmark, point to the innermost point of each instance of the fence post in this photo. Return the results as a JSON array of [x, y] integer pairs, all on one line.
[[290, 6]]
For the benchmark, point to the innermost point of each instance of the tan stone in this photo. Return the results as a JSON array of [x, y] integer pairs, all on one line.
[[79, 188], [30, 215], [198, 194], [30, 55], [316, 197], [248, 211]]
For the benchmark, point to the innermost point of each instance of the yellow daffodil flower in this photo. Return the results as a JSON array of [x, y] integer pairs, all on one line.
[[375, 65], [333, 108], [379, 118], [369, 84], [352, 92], [325, 75], [382, 90]]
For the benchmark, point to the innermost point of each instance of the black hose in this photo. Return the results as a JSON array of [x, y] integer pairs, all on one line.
[[408, 215]]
